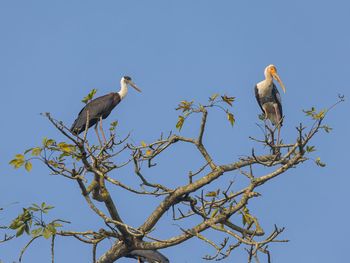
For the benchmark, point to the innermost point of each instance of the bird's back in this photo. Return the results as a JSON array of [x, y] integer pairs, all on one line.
[[99, 107]]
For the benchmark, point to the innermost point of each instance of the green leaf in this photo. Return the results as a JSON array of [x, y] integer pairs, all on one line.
[[48, 142], [310, 149], [231, 118], [57, 224], [37, 232], [26, 216], [19, 157], [44, 141], [46, 233], [67, 148], [319, 163], [51, 228], [47, 208], [13, 162], [15, 224], [316, 116], [113, 125], [22, 222], [90, 96], [310, 112], [28, 166], [185, 106], [247, 218], [35, 209], [326, 128], [213, 97], [213, 193], [180, 122], [26, 228], [228, 99], [36, 151], [18, 161], [53, 163], [20, 230], [319, 115]]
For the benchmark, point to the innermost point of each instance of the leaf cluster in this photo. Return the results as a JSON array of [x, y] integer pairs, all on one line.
[[113, 125], [31, 221], [314, 114], [89, 97], [217, 101], [64, 149]]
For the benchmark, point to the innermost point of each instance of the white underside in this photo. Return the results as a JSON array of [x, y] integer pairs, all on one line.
[[271, 113]]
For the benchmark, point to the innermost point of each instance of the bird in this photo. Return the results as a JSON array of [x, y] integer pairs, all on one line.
[[150, 256], [269, 99], [100, 108]]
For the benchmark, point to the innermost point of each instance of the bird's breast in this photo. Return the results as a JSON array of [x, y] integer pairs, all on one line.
[[264, 89]]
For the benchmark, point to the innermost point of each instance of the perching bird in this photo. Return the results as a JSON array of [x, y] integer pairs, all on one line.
[[269, 98], [150, 256], [101, 107]]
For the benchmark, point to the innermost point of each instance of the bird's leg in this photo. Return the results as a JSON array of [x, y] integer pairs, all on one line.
[[278, 124], [267, 125], [98, 136], [271, 131], [101, 128], [278, 135]]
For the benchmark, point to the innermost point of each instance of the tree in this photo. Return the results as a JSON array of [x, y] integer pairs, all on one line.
[[92, 168]]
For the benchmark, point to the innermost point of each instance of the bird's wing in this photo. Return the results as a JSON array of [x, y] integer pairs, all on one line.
[[277, 97], [151, 256], [78, 123], [258, 98], [101, 106]]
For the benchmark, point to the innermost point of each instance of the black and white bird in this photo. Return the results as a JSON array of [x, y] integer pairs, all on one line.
[[269, 98], [101, 107]]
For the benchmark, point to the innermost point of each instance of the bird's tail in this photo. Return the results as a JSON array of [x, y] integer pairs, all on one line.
[[74, 129]]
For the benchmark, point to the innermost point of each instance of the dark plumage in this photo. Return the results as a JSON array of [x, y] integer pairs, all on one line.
[[150, 256], [101, 107], [97, 108]]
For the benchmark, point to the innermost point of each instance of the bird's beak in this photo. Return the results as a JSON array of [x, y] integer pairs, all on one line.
[[132, 84], [275, 75]]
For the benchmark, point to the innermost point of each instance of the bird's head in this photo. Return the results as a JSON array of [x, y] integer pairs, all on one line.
[[127, 80], [271, 70]]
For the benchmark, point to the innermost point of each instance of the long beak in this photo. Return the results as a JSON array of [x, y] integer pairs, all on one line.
[[132, 84], [275, 75]]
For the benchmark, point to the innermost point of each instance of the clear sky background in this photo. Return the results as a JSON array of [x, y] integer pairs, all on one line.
[[52, 53]]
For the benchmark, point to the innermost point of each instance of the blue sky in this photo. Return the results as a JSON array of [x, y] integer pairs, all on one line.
[[52, 53]]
